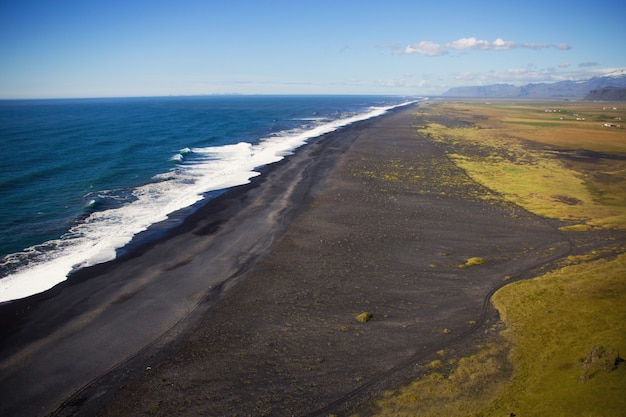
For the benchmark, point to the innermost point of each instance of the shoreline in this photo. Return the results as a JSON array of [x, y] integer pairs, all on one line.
[[234, 229], [103, 229], [181, 221]]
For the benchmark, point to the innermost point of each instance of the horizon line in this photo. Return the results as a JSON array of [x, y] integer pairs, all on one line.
[[215, 95]]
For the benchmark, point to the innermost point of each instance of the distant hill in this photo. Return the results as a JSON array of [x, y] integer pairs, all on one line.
[[558, 90], [607, 94]]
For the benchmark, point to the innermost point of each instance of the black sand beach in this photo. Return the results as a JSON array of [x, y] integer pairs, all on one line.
[[250, 307]]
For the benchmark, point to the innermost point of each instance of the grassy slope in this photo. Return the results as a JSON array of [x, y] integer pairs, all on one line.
[[553, 322]]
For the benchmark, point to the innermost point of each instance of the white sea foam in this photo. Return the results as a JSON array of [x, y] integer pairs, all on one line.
[[199, 170]]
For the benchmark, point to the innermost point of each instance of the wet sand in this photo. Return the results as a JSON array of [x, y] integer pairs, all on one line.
[[250, 307]]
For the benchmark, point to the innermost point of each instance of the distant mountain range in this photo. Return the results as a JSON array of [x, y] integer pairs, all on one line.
[[558, 90]]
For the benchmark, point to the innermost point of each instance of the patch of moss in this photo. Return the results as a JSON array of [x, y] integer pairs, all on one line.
[[559, 321], [436, 364], [364, 317], [473, 262], [575, 228], [458, 391]]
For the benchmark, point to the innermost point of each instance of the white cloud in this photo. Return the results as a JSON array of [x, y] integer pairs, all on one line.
[[427, 48], [430, 48], [481, 45]]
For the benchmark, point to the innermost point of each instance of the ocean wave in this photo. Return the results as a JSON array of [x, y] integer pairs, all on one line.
[[180, 156]]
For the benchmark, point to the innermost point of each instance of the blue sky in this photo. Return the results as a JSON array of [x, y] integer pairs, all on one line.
[[64, 48]]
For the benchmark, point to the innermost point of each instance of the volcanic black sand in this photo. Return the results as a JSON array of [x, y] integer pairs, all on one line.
[[250, 307]]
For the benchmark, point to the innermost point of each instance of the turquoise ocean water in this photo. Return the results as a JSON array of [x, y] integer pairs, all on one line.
[[80, 177]]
